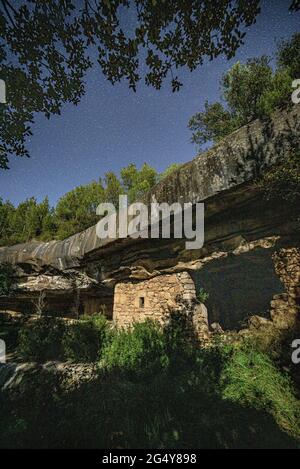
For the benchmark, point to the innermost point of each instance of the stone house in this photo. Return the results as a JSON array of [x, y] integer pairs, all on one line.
[[153, 298]]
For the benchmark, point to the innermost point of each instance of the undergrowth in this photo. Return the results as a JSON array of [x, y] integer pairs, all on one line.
[[156, 387]]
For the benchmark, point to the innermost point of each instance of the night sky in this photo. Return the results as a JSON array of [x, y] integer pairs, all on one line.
[[113, 126]]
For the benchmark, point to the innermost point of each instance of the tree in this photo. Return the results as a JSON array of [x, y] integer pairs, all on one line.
[[113, 188], [137, 183], [251, 90], [212, 124], [47, 217], [288, 56], [76, 210], [6, 211], [44, 49], [169, 170], [295, 6], [244, 85], [28, 220]]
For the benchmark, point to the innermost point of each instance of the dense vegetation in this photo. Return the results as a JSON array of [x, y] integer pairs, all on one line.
[[76, 210], [50, 338], [282, 182], [6, 279], [155, 388], [251, 90]]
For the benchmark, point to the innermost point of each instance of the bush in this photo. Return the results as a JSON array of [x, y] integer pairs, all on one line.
[[84, 340], [276, 343], [137, 352], [278, 95], [282, 182], [48, 338], [6, 279], [251, 378], [180, 335], [157, 388], [202, 296], [225, 402], [40, 340], [250, 90]]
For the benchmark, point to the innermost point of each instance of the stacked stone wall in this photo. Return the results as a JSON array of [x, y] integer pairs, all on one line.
[[285, 308], [153, 298]]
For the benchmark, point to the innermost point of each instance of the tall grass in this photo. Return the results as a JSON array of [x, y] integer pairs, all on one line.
[[158, 388]]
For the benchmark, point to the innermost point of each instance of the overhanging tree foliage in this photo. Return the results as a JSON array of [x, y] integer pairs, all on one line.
[[45, 49], [250, 90]]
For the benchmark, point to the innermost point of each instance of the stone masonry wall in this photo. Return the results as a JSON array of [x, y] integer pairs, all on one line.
[[135, 302], [285, 308]]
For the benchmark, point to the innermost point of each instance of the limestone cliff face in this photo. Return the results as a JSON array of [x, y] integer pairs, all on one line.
[[237, 221], [224, 169], [235, 160]]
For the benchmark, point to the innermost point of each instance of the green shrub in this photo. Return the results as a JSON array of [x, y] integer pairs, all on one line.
[[9, 329], [84, 340], [180, 335], [251, 378], [278, 94], [282, 182], [40, 340], [99, 321], [202, 296], [80, 342], [210, 362], [157, 388], [276, 343], [6, 279], [139, 351], [169, 410]]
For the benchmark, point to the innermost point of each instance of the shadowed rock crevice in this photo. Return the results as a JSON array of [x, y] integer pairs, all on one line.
[[239, 286]]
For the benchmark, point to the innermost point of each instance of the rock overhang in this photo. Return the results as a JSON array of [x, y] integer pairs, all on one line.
[[221, 177]]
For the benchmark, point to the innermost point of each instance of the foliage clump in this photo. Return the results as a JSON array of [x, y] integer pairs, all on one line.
[[76, 210], [6, 279], [251, 378], [84, 340], [139, 351], [48, 338], [41, 339], [250, 90], [282, 181], [158, 386], [202, 295]]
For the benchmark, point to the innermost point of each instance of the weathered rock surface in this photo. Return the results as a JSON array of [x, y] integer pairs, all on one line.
[[236, 160], [84, 269], [14, 376]]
